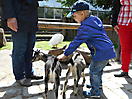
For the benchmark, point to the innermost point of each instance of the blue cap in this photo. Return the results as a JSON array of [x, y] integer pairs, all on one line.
[[78, 6]]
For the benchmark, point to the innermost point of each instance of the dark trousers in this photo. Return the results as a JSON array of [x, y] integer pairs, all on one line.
[[23, 43]]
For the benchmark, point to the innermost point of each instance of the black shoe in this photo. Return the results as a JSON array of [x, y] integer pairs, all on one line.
[[24, 82], [34, 77], [122, 74]]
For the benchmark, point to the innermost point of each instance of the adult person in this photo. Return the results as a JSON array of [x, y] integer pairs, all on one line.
[[21, 17], [122, 23]]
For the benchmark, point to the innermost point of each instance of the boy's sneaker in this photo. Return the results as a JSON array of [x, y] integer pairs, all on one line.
[[24, 82], [89, 86], [34, 77], [87, 94]]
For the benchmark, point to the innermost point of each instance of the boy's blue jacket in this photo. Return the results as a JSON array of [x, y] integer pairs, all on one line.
[[93, 34]]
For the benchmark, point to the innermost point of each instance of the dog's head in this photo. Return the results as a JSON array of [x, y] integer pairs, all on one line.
[[38, 55]]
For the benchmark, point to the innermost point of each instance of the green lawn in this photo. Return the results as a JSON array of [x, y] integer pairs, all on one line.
[[8, 46], [41, 45]]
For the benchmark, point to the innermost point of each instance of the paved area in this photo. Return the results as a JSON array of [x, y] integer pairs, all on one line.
[[113, 88]]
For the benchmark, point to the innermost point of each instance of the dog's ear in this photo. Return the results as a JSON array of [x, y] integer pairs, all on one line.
[[76, 54], [38, 50], [71, 61], [45, 57], [56, 59], [64, 47]]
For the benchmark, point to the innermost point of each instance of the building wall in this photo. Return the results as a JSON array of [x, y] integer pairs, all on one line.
[[60, 13], [47, 12]]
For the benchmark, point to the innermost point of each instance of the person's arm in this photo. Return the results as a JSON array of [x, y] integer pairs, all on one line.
[[8, 9], [9, 14], [115, 12], [83, 34], [81, 37]]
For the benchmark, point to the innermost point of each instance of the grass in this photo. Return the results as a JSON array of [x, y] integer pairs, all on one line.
[[8, 46], [44, 45], [41, 45]]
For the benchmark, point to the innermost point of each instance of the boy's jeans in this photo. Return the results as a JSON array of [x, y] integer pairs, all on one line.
[[96, 71]]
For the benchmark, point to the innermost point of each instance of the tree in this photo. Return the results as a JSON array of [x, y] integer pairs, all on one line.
[[105, 4], [67, 3]]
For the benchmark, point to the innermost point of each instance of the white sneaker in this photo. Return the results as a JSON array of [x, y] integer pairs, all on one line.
[[24, 82]]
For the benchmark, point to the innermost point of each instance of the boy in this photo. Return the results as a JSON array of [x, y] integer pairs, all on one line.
[[93, 34]]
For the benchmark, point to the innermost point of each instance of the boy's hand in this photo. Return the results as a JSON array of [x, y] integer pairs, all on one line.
[[62, 57]]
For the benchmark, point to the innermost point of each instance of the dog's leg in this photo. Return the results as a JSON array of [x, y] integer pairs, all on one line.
[[46, 86], [57, 83], [75, 86], [83, 75], [65, 84], [74, 73], [76, 80]]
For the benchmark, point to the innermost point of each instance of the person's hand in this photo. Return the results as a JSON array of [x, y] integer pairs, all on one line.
[[62, 57], [12, 24], [116, 28]]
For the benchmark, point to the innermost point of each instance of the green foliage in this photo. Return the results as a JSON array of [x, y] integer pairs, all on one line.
[[105, 17], [67, 3], [105, 4]]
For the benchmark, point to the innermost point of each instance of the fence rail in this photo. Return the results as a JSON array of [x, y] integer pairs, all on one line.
[[48, 29], [62, 25]]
